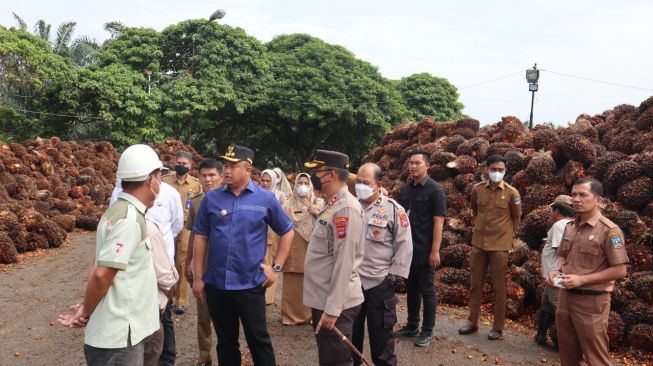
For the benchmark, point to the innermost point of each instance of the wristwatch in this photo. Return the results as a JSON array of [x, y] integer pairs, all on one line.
[[277, 267]]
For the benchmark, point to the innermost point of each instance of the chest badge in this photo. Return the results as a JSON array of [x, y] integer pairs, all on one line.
[[591, 237], [223, 213]]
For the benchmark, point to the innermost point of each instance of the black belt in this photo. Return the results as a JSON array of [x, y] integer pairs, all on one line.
[[586, 292]]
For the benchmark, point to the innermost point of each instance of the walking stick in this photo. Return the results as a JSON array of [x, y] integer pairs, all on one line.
[[351, 346]]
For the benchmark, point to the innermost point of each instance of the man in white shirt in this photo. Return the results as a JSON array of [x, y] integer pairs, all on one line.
[[561, 213]]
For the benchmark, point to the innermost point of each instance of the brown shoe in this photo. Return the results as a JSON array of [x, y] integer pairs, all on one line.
[[494, 335], [468, 329]]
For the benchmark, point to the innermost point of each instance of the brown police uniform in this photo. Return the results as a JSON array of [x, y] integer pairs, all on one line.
[[186, 190], [388, 251], [203, 317], [582, 313], [335, 250], [492, 238]]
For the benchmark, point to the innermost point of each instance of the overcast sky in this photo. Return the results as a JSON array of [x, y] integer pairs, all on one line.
[[467, 42]]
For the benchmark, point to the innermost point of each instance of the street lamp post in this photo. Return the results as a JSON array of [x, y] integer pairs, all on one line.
[[218, 14], [532, 76]]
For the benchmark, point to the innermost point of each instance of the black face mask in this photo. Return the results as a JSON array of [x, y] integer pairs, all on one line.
[[317, 184], [181, 170]]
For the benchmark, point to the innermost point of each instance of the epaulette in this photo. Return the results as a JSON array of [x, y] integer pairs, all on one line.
[[608, 222], [396, 204], [201, 194]]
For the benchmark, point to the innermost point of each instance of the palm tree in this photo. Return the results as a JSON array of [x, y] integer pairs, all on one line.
[[81, 51]]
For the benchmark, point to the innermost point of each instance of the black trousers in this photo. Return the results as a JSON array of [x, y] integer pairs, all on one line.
[[420, 287], [380, 311], [331, 350], [169, 353], [227, 308]]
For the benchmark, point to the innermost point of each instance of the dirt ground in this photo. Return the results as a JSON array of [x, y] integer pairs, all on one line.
[[40, 287]]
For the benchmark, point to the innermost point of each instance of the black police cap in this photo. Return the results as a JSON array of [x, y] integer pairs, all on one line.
[[328, 158], [237, 153]]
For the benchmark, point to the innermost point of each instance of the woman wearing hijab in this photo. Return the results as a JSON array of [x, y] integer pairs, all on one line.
[[302, 207], [268, 180]]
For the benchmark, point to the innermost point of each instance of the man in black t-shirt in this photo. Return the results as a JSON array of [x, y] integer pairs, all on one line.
[[425, 202]]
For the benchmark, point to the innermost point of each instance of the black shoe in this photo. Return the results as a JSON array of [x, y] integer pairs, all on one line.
[[468, 329], [543, 322], [179, 310], [424, 340], [203, 363], [406, 332], [494, 334]]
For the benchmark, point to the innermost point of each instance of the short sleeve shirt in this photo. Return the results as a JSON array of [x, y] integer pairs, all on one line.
[[237, 229], [550, 250], [131, 303], [592, 247], [494, 209], [187, 190], [422, 202]]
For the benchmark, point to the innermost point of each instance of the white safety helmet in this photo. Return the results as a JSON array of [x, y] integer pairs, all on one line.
[[136, 163]]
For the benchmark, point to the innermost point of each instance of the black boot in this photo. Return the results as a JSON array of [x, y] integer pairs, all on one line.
[[543, 323]]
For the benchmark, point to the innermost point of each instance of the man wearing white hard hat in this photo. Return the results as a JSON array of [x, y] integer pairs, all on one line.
[[120, 308]]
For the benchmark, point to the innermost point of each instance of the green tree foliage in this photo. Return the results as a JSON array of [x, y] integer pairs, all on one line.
[[426, 95], [323, 96], [32, 78], [211, 84]]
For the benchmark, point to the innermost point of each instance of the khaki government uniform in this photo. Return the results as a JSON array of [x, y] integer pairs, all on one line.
[[271, 252], [203, 317], [582, 313], [494, 210], [331, 280], [388, 251], [186, 190]]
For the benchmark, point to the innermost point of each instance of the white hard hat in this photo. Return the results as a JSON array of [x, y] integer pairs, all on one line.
[[136, 163]]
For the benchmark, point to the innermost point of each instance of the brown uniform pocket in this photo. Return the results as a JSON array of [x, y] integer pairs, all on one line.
[[590, 256]]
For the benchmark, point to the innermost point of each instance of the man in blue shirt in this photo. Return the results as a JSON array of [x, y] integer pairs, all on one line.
[[233, 220]]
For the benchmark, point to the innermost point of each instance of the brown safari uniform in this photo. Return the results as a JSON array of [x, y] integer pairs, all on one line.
[[582, 314], [203, 317], [187, 190], [492, 239], [331, 280]]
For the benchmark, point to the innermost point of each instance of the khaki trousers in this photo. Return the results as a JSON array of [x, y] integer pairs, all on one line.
[[180, 293], [582, 322], [497, 261]]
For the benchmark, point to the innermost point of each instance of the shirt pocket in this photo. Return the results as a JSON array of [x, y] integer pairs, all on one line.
[[590, 255], [501, 205], [481, 206], [376, 230], [319, 242]]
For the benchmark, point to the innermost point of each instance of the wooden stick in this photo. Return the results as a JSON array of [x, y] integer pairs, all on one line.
[[351, 346]]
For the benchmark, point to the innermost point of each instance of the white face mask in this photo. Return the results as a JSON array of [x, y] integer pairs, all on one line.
[[496, 177], [156, 195], [363, 191], [302, 190]]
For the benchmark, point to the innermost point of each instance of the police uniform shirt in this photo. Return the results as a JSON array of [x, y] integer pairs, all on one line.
[[592, 247], [494, 209], [187, 189], [388, 242], [335, 250]]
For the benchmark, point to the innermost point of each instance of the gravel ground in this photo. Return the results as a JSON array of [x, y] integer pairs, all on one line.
[[35, 291]]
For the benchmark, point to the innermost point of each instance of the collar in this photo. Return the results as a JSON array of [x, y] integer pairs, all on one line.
[[592, 220], [422, 181], [134, 201], [378, 202], [250, 187], [501, 185]]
